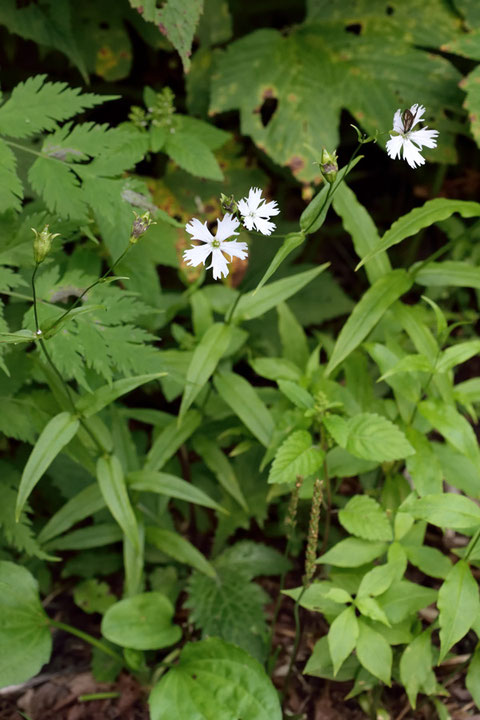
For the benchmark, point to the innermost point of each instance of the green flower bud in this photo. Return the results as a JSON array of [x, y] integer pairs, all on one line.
[[42, 244], [141, 225], [329, 165], [228, 204]]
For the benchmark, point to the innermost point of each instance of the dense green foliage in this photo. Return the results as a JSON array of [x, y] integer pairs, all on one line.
[[181, 435]]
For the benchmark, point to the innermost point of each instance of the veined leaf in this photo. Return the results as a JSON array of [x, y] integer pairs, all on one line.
[[37, 105], [216, 679], [192, 155], [244, 401], [458, 603], [374, 652], [170, 439], [205, 358], [453, 426], [416, 665], [431, 212], [96, 401], [82, 505], [448, 273], [362, 516], [296, 456], [55, 435], [114, 490], [342, 637], [368, 311], [369, 436], [447, 510], [352, 552], [171, 486], [142, 622], [292, 241]]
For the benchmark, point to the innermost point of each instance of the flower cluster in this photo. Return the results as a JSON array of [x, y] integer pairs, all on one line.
[[255, 213], [407, 140]]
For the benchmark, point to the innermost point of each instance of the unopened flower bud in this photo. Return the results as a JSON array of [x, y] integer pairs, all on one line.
[[228, 204], [141, 225], [42, 244], [329, 165]]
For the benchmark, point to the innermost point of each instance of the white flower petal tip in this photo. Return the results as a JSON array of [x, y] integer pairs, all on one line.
[[215, 245], [408, 142], [255, 212]]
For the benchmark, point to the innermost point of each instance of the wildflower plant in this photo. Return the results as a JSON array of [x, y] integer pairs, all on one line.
[[275, 397]]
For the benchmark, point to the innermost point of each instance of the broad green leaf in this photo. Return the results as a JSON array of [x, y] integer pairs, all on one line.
[[453, 426], [292, 335], [369, 607], [254, 304], [409, 364], [290, 243], [114, 490], [457, 354], [216, 461], [429, 560], [352, 552], [171, 486], [205, 358], [472, 680], [369, 436], [178, 19], [363, 516], [296, 394], [458, 470], [374, 652], [170, 439], [424, 467], [252, 559], [82, 505], [370, 74], [431, 212], [448, 273], [241, 397], [53, 438], [192, 155], [177, 547], [416, 665], [296, 456], [377, 580], [214, 679], [357, 221], [142, 622], [96, 401], [447, 510], [404, 598], [459, 604], [320, 597], [24, 628], [368, 311], [320, 664], [342, 637], [275, 368]]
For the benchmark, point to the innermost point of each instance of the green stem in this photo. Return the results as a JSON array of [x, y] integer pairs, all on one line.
[[90, 287], [99, 696], [88, 638], [34, 293], [298, 634], [472, 544], [229, 315], [33, 152]]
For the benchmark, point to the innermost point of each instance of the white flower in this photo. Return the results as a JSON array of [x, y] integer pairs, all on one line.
[[255, 212], [409, 140], [215, 245]]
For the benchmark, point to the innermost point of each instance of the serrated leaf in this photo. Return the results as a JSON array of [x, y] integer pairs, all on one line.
[[369, 436], [296, 456], [342, 637], [374, 652], [230, 608], [431, 212], [177, 19], [352, 552], [459, 604], [244, 401], [290, 69], [142, 622], [362, 516], [59, 187], [447, 510], [24, 626], [37, 105], [215, 678], [11, 188], [53, 438], [93, 596], [368, 311], [192, 155]]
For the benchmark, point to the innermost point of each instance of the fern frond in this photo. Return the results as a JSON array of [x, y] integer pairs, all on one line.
[[11, 189], [37, 105]]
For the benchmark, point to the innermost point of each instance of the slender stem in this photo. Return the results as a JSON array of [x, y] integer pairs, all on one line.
[[328, 486], [472, 544], [80, 297], [33, 152], [88, 638], [296, 643], [34, 293], [229, 316], [99, 696], [438, 253]]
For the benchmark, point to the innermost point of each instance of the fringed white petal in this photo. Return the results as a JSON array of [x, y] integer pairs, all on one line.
[[394, 145], [199, 231], [219, 264], [226, 227], [398, 122], [411, 154], [235, 249], [196, 255]]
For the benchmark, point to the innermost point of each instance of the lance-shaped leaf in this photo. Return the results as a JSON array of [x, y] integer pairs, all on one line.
[[342, 637], [84, 504], [55, 435], [374, 652], [171, 486], [368, 311], [114, 490], [96, 401], [177, 547], [208, 352], [244, 401], [290, 243], [458, 603]]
